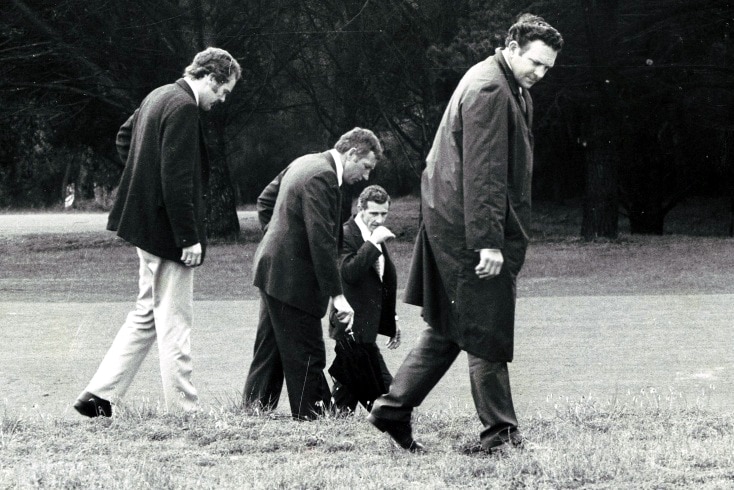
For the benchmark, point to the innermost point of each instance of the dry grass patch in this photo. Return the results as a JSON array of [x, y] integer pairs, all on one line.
[[638, 441]]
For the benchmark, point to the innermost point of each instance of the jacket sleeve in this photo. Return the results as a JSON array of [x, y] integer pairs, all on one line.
[[320, 205], [180, 153], [124, 135], [356, 259], [266, 201], [484, 113]]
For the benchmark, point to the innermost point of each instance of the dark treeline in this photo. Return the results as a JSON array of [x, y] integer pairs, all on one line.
[[636, 116]]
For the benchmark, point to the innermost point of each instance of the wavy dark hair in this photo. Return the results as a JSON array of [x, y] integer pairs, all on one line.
[[214, 61], [529, 28], [373, 193], [362, 140]]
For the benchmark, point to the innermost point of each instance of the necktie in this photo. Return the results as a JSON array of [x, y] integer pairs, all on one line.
[[522, 104]]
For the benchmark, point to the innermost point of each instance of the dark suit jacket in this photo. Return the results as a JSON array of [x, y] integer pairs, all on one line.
[[296, 261], [373, 299], [160, 200], [475, 193]]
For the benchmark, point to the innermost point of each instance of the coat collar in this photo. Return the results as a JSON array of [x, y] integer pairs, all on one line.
[[514, 86], [337, 165], [507, 72], [353, 229], [186, 87]]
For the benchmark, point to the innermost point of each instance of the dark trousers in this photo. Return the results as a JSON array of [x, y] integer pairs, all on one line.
[[424, 367], [289, 343], [345, 399]]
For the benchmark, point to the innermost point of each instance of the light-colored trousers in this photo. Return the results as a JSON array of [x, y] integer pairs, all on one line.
[[163, 312]]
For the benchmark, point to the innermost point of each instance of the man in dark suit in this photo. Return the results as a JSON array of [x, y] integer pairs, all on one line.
[[296, 269], [160, 209], [370, 285], [475, 209]]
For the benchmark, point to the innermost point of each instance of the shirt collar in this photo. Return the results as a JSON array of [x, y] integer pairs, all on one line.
[[193, 89], [366, 234], [339, 165]]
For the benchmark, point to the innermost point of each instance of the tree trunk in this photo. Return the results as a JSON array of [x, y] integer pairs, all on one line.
[[601, 205], [222, 220]]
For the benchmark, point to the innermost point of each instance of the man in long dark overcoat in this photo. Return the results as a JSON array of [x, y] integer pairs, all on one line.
[[475, 208]]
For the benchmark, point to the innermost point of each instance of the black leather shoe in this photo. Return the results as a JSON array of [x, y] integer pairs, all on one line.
[[401, 433], [515, 442], [91, 405]]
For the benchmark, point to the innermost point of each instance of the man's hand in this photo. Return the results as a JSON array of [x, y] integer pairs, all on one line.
[[394, 342], [344, 311], [191, 256], [380, 235], [490, 263]]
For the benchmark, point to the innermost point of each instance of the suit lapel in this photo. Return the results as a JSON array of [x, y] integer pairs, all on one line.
[[339, 228], [523, 101], [181, 83], [204, 154], [355, 231]]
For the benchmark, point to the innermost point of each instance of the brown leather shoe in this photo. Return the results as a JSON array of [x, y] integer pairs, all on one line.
[[401, 433], [91, 405]]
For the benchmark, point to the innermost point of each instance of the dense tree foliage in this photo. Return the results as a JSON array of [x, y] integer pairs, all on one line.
[[635, 116], [644, 90]]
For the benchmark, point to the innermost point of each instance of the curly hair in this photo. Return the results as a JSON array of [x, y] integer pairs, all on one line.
[[214, 61], [372, 193], [529, 28], [362, 140]]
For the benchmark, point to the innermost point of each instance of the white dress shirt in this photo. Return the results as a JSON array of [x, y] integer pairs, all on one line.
[[366, 234]]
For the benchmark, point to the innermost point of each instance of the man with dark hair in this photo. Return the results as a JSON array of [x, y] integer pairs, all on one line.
[[370, 284], [296, 268], [160, 209], [475, 209]]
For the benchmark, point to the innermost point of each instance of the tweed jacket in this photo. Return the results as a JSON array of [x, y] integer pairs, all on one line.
[[160, 205]]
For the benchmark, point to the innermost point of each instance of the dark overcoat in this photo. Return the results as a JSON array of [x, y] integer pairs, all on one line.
[[296, 262], [475, 194], [160, 204], [372, 299]]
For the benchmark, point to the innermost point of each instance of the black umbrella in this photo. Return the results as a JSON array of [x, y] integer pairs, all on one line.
[[357, 366]]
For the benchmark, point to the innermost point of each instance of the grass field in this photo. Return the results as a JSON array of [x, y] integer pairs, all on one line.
[[623, 377]]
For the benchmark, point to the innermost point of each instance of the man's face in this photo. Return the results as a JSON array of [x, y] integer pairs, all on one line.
[[357, 168], [374, 215], [531, 63], [214, 92]]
